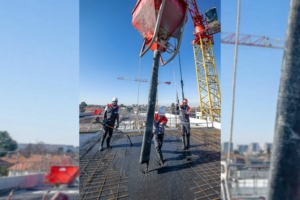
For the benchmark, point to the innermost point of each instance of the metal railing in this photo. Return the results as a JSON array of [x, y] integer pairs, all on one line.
[[132, 120], [245, 181]]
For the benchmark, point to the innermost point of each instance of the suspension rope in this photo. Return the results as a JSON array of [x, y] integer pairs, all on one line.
[[176, 93], [181, 75], [181, 81], [137, 111]]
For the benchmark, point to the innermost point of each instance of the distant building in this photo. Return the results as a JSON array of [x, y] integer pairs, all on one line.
[[38, 163], [225, 147], [266, 146], [253, 147], [234, 158], [242, 148]]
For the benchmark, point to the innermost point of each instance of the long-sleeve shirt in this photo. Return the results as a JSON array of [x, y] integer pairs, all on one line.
[[184, 113], [159, 124], [111, 114]]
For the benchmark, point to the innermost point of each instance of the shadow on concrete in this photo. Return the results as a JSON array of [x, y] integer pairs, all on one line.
[[126, 145], [188, 157]]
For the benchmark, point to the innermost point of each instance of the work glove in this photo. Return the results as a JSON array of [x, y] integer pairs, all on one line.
[[155, 123], [104, 122]]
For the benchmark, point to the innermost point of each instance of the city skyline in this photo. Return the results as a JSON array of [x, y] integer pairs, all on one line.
[[262, 146]]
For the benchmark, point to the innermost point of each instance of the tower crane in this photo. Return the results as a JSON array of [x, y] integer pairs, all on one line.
[[252, 40], [145, 80], [206, 72], [141, 80]]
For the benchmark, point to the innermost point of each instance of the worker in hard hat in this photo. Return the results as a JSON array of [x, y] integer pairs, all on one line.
[[160, 121], [184, 115], [111, 114]]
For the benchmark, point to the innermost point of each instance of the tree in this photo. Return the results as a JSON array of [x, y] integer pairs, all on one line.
[[83, 105], [236, 151], [4, 170], [6, 143], [39, 148], [28, 150]]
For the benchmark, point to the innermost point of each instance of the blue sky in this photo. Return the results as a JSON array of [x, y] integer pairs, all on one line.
[[258, 70], [39, 70], [110, 46], [39, 66]]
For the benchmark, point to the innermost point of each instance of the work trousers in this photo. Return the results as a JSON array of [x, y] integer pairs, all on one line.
[[158, 141], [185, 129], [108, 130]]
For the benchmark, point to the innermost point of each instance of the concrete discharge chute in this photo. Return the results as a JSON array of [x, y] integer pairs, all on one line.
[[158, 21]]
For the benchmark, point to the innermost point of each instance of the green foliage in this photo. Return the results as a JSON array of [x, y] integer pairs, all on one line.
[[28, 150], [83, 105], [7, 143], [4, 171], [236, 151]]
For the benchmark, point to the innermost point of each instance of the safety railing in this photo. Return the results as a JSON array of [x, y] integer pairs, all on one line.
[[245, 181]]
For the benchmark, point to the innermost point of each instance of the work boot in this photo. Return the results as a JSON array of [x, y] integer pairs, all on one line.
[[188, 142], [101, 144], [107, 143], [183, 142]]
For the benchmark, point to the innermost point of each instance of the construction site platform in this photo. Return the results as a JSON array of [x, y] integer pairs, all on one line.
[[116, 173]]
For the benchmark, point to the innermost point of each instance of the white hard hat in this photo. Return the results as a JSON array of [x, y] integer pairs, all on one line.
[[162, 110], [115, 101]]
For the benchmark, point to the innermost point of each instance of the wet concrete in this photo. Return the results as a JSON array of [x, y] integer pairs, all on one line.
[[116, 173]]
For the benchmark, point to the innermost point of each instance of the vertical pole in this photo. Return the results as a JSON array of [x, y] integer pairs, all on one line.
[[41, 163], [233, 82], [285, 162], [181, 76], [138, 112], [146, 143]]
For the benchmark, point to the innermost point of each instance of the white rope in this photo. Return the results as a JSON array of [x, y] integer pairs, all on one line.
[[137, 111], [176, 92]]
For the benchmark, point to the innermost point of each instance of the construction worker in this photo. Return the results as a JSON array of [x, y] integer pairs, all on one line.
[[184, 115], [159, 124], [111, 114]]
